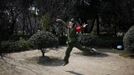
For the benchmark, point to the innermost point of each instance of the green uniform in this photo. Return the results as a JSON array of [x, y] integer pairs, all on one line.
[[71, 35], [72, 42]]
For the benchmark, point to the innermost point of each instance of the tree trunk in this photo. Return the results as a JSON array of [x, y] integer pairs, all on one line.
[[92, 27], [31, 28], [23, 28], [43, 52], [98, 28], [115, 30]]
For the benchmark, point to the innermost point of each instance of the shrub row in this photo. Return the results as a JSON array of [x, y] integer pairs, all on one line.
[[39, 40], [100, 41], [43, 39], [10, 46]]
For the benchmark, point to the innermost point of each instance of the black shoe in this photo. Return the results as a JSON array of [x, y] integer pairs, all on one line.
[[65, 63]]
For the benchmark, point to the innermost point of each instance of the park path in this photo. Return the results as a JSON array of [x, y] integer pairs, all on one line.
[[31, 63]]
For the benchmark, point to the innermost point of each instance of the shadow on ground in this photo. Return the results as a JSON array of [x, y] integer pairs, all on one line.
[[110, 50], [96, 54], [50, 61], [75, 73], [127, 55], [46, 61]]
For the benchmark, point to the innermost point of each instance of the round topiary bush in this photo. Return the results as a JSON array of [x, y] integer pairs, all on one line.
[[42, 39], [128, 41]]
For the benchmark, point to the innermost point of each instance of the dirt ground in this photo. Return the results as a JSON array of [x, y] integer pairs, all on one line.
[[31, 63]]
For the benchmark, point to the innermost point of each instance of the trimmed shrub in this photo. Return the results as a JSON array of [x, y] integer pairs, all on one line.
[[128, 41], [43, 39], [87, 40]]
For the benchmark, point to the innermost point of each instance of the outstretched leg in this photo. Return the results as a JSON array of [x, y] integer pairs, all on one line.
[[67, 54], [83, 48]]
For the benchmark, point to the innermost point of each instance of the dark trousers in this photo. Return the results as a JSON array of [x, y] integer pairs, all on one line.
[[77, 45]]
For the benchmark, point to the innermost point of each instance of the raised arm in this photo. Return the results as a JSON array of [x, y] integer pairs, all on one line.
[[60, 20]]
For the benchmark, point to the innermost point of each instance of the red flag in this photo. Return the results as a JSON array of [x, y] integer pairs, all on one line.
[[78, 28]]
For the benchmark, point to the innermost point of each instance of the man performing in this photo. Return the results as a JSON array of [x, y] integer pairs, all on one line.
[[72, 41]]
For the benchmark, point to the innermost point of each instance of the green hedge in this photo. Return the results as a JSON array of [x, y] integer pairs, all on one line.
[[10, 46], [44, 39], [39, 40], [100, 41]]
